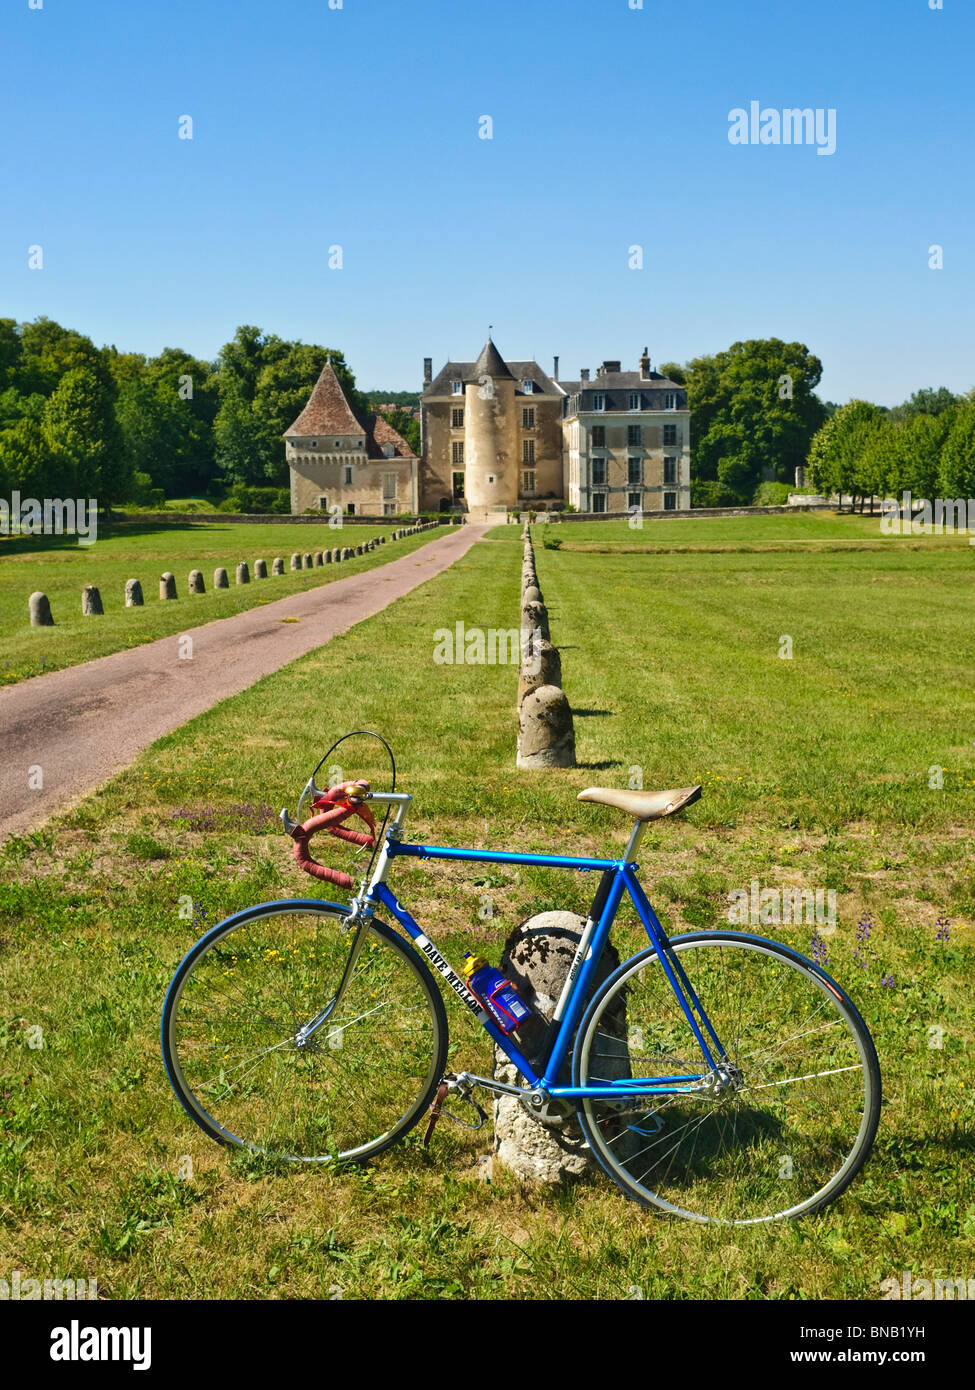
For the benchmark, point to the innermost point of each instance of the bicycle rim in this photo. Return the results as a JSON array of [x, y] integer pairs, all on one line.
[[785, 1138], [238, 1002]]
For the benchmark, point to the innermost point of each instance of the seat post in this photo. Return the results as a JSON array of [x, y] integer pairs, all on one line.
[[636, 836]]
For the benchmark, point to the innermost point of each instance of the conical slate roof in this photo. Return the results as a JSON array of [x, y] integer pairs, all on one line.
[[327, 411], [490, 363]]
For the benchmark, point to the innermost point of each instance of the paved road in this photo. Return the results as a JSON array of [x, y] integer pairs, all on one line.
[[82, 725]]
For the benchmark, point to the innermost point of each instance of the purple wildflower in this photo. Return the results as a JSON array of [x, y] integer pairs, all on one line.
[[943, 928]]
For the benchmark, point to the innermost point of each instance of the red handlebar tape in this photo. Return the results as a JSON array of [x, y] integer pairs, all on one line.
[[340, 808]]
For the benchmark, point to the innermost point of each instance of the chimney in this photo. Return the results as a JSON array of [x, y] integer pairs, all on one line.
[[645, 366], [427, 370], [555, 369], [584, 373]]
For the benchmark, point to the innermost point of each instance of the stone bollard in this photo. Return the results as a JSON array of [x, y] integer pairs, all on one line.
[[382, 540], [133, 594], [319, 558], [260, 569], [540, 664], [91, 602], [348, 553], [277, 566], [546, 737], [220, 580], [39, 607], [535, 615], [532, 594], [296, 562], [358, 550], [548, 1145], [195, 585], [167, 586], [309, 562], [243, 573], [327, 557]]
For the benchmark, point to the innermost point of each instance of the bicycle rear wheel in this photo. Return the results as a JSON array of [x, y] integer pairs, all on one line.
[[231, 1035], [785, 1128]]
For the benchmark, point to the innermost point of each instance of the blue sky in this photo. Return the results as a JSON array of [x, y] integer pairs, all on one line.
[[358, 127]]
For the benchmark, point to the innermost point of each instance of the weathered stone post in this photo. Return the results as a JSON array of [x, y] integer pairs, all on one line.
[[358, 550], [91, 602], [167, 586], [326, 557], [296, 561], [133, 594], [319, 558], [277, 566], [535, 616], [260, 569], [39, 608], [546, 737], [540, 664], [220, 580], [309, 562], [243, 573], [348, 553], [196, 585], [547, 1145], [532, 594]]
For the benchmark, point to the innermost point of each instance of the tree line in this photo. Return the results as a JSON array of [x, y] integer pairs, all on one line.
[[77, 420]]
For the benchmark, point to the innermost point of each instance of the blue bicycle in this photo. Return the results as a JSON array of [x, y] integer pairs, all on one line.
[[715, 1075]]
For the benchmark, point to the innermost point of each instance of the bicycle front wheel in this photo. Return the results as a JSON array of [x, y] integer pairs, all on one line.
[[788, 1117], [246, 1072]]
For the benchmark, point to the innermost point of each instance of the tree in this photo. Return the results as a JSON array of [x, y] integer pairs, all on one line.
[[753, 413], [836, 462], [83, 437], [928, 401], [956, 477]]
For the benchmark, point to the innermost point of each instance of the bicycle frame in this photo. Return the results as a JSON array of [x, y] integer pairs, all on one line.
[[618, 877]]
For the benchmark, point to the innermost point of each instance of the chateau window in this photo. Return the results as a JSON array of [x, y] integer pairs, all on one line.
[[634, 472], [348, 475], [389, 485], [634, 499], [634, 400], [313, 444], [457, 419], [598, 440], [389, 509], [338, 444], [528, 451], [670, 434], [670, 470], [323, 504], [457, 387], [599, 402], [599, 501], [634, 435], [350, 509], [599, 472], [528, 418], [457, 451], [670, 501], [528, 481], [528, 385], [670, 398]]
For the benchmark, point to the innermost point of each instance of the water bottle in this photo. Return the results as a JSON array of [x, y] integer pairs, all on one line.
[[497, 994]]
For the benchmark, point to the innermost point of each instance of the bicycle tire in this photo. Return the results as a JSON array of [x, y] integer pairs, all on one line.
[[711, 1155], [358, 1085]]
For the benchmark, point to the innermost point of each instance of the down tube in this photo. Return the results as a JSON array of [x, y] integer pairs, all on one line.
[[443, 967], [673, 969]]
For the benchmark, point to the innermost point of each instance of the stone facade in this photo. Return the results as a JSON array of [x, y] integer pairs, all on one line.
[[363, 467]]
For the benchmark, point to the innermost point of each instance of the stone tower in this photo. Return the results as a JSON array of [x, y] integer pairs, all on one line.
[[491, 435]]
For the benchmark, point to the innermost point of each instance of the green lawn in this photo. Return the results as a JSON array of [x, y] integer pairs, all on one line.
[[60, 568], [816, 773]]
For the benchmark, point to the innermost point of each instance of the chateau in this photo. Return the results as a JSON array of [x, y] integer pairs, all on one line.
[[499, 435]]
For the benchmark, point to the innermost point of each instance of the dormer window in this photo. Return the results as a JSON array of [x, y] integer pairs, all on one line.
[[634, 400], [388, 451], [528, 385], [599, 402], [669, 400], [458, 388]]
